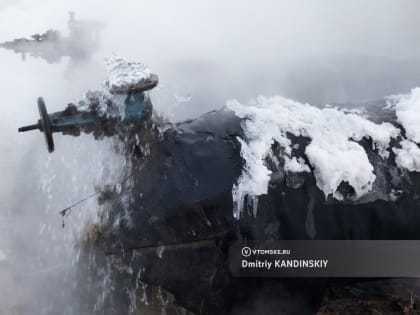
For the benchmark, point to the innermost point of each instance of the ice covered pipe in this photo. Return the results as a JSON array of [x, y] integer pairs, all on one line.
[[270, 169]]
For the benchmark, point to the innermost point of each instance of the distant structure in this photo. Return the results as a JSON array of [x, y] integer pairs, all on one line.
[[83, 41]]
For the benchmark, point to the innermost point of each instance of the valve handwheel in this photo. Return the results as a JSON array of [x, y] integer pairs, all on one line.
[[45, 124]]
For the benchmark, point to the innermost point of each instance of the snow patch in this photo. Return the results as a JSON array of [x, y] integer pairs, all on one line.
[[105, 103], [407, 110], [123, 73], [296, 165], [408, 156], [333, 153]]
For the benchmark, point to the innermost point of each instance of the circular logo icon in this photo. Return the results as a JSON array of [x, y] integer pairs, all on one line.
[[246, 251]]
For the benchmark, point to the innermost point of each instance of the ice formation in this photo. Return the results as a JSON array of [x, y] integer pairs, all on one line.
[[123, 72], [407, 109], [101, 98], [408, 156], [333, 152]]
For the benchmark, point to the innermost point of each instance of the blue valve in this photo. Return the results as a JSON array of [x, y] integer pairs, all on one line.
[[72, 121]]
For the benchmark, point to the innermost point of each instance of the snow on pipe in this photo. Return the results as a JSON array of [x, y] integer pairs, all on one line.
[[333, 152]]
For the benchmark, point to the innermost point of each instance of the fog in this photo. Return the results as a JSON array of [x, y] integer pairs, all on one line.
[[204, 52]]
